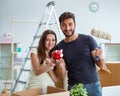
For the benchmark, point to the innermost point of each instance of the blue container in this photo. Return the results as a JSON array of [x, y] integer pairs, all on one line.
[[18, 49]]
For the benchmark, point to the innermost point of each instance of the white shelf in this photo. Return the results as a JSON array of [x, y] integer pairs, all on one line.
[[111, 52], [6, 57]]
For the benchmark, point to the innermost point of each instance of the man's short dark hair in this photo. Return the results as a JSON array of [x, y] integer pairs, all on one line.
[[66, 15]]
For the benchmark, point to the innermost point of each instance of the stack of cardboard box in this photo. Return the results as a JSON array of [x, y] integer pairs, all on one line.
[[51, 91]]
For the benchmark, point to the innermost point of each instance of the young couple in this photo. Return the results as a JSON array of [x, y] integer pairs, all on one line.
[[79, 52]]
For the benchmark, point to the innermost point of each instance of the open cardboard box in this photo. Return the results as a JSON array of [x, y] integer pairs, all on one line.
[[51, 91], [7, 94], [110, 79]]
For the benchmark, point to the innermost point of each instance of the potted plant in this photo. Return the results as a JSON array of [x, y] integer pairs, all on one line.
[[78, 90]]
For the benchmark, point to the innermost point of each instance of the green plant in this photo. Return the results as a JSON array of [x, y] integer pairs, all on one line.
[[78, 90]]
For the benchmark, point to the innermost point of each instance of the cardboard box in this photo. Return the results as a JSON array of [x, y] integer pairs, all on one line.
[[112, 79], [7, 94], [51, 91], [30, 92]]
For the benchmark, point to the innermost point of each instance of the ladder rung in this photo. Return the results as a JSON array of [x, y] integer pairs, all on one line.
[[36, 37], [25, 69], [50, 23], [7, 83], [21, 81], [32, 47], [27, 58], [9, 90]]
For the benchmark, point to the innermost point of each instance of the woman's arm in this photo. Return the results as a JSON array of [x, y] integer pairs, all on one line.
[[39, 69], [53, 75], [51, 72]]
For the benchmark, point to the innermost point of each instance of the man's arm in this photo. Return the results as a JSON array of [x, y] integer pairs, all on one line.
[[60, 69], [101, 61]]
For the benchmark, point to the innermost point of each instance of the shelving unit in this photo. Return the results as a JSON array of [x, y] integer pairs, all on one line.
[[111, 52], [5, 56]]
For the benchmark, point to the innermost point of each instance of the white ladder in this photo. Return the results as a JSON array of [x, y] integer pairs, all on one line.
[[46, 23]]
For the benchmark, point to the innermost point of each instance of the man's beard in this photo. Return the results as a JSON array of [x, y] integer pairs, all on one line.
[[69, 35]]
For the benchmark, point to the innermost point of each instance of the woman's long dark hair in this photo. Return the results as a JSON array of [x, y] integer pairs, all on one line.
[[41, 45]]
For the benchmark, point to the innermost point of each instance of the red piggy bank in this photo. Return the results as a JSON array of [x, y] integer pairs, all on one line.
[[57, 54]]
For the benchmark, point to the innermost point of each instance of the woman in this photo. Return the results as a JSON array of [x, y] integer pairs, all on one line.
[[43, 73]]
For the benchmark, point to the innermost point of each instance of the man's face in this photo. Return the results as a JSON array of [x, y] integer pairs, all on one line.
[[68, 27]]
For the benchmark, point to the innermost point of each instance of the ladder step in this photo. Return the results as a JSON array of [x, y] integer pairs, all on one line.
[[7, 83], [36, 37], [32, 47], [24, 82], [50, 23], [25, 70], [9, 90], [27, 59]]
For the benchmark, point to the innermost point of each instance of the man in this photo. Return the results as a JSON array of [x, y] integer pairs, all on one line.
[[79, 52]]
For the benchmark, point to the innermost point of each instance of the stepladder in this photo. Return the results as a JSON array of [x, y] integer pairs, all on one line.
[[48, 20]]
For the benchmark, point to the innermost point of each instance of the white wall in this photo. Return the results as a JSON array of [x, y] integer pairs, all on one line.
[[106, 19]]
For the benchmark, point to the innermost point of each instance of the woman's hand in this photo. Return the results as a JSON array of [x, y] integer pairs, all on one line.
[[59, 61], [48, 62]]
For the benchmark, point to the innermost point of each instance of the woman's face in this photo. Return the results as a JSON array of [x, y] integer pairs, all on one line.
[[50, 41]]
